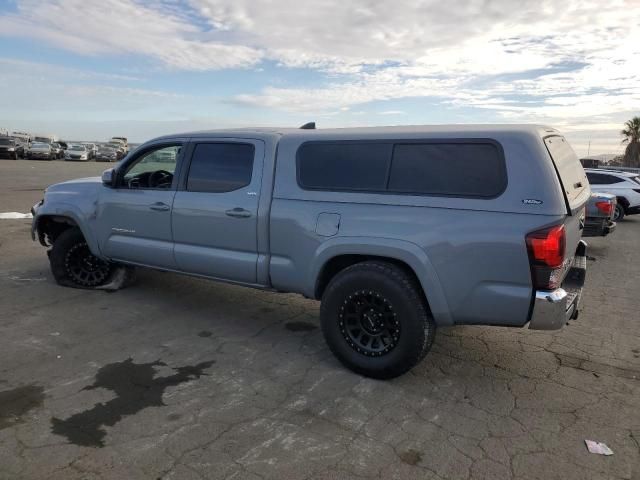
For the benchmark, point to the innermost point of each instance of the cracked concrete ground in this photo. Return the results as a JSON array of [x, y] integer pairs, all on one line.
[[181, 378]]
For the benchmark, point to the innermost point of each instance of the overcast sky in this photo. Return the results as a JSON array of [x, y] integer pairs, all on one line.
[[91, 69]]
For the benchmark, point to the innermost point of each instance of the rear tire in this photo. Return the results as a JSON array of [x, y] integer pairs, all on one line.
[[618, 215], [376, 320], [73, 264]]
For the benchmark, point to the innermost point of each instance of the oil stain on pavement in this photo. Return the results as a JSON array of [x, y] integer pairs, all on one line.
[[136, 388], [16, 402]]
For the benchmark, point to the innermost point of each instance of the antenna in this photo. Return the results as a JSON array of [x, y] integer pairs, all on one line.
[[308, 126]]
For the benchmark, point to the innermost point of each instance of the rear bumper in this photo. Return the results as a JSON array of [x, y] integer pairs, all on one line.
[[610, 228], [598, 228], [552, 309]]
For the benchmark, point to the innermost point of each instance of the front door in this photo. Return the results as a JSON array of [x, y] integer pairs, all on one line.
[[215, 212], [134, 218]]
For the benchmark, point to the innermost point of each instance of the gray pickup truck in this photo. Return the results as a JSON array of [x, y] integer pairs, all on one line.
[[396, 230]]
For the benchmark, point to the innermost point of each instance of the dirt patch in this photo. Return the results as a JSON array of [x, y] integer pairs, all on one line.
[[410, 457], [300, 326], [16, 402], [205, 334]]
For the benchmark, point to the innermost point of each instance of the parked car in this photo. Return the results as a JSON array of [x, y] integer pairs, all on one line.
[[123, 141], [119, 148], [11, 148], [599, 220], [40, 151], [106, 153], [76, 151], [45, 138], [92, 150], [24, 137], [396, 230], [624, 185], [57, 150]]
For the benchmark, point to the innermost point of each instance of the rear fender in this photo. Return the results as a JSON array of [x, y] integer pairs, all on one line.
[[402, 250]]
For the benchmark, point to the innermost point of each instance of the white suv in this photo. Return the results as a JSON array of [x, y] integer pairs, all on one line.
[[624, 185]]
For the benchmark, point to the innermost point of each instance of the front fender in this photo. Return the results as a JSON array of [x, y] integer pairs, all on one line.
[[72, 212], [402, 250]]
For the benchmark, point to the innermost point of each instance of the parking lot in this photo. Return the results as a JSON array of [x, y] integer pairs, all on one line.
[[178, 378]]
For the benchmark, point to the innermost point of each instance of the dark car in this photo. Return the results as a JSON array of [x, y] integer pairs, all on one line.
[[40, 151], [11, 148], [600, 212], [106, 153], [56, 150]]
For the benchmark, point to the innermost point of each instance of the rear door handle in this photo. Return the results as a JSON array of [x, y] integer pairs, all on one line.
[[159, 207], [238, 213]]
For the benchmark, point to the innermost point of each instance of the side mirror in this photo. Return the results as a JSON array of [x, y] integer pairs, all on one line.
[[109, 177]]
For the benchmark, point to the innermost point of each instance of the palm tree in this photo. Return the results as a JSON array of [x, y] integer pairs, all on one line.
[[631, 132]]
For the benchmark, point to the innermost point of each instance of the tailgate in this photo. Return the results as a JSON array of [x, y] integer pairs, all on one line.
[[575, 186]]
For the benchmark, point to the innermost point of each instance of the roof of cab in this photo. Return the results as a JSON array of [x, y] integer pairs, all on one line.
[[539, 130]]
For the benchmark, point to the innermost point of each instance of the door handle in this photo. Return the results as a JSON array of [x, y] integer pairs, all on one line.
[[159, 207], [238, 213]]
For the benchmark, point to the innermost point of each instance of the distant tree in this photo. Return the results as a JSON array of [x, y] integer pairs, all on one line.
[[631, 134], [617, 161]]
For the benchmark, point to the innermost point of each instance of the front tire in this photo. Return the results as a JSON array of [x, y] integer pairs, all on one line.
[[73, 264], [375, 319]]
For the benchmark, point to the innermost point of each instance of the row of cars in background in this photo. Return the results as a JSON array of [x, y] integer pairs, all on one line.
[[45, 148], [615, 194]]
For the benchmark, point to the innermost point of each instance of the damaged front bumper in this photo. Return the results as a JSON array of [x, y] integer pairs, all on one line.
[[34, 222]]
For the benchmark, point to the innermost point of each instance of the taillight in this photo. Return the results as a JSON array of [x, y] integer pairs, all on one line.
[[546, 248], [605, 207]]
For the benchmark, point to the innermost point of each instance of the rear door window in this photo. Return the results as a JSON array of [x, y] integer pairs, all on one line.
[[570, 171], [220, 167]]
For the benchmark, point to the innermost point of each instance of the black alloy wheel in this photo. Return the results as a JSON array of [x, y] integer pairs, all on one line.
[[84, 268], [368, 323]]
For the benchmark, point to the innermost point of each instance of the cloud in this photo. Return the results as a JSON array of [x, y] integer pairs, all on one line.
[[564, 62], [117, 27]]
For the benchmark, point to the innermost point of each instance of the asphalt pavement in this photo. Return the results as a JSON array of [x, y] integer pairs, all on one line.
[[181, 378]]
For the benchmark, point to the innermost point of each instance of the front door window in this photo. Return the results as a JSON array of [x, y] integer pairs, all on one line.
[[153, 170]]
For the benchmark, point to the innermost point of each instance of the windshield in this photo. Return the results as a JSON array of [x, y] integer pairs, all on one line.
[[77, 148], [40, 145], [42, 140], [6, 141]]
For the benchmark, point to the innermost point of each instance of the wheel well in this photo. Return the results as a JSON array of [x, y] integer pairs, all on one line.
[[339, 263], [51, 226], [624, 202]]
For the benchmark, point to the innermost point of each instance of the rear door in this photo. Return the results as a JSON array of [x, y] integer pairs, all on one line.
[[215, 212], [574, 185]]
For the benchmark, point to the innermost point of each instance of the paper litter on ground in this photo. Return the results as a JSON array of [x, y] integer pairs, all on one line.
[[597, 447]]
